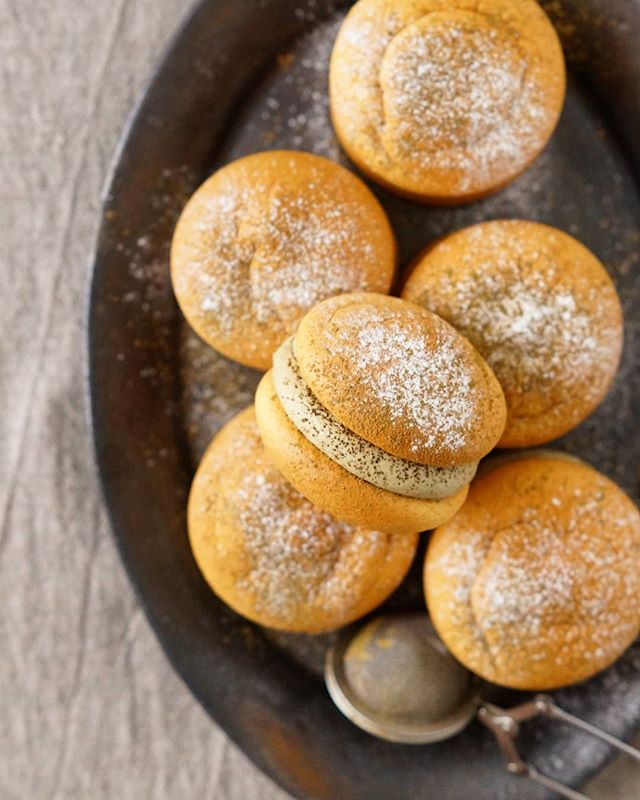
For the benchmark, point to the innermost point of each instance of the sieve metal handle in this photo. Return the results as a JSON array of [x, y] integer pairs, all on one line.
[[505, 725]]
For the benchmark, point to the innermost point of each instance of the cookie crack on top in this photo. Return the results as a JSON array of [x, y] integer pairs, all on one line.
[[475, 620], [375, 574]]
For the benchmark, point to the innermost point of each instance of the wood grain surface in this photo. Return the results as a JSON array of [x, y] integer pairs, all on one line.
[[89, 706]]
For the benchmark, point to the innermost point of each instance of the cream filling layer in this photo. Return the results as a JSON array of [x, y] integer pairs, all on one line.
[[359, 457]]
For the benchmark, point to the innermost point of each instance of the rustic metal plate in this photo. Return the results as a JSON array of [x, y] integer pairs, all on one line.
[[251, 75]]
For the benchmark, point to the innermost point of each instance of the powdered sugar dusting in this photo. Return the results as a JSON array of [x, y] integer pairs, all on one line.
[[309, 244], [291, 563], [424, 383], [564, 574], [542, 328], [295, 550], [254, 256], [461, 562], [458, 98], [552, 337], [453, 94], [569, 577], [408, 382]]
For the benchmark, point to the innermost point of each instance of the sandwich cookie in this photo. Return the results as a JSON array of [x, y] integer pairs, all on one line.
[[379, 412]]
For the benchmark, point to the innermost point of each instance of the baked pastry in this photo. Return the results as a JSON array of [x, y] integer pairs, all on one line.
[[273, 557], [378, 411], [445, 101], [267, 237], [542, 311], [535, 583]]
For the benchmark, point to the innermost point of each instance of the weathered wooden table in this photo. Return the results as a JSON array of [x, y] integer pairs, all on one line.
[[89, 707]]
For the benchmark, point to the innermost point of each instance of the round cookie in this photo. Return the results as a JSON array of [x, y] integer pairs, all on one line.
[[539, 307], [378, 411], [273, 557], [446, 101], [535, 583], [402, 378], [267, 237]]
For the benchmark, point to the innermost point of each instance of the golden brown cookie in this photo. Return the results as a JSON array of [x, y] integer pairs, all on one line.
[[273, 557], [267, 237], [379, 412], [446, 101], [542, 311], [400, 377], [535, 583]]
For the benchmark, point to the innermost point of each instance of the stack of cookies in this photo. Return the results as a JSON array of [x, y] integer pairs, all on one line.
[[375, 412]]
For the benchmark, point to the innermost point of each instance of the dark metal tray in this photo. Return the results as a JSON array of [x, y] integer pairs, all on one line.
[[251, 75]]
